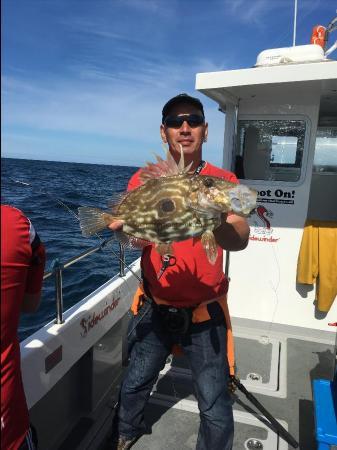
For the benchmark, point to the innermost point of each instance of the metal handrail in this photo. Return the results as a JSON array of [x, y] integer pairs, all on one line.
[[121, 260], [58, 267]]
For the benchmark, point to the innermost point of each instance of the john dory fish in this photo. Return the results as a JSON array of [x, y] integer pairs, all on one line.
[[172, 205]]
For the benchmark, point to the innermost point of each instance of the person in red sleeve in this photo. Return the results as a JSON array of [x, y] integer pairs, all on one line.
[[22, 268], [187, 303]]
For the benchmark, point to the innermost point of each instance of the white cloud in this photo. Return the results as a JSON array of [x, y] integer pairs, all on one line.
[[59, 114], [112, 67], [101, 101], [257, 12]]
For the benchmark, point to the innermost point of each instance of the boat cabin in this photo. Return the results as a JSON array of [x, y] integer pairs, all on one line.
[[281, 139]]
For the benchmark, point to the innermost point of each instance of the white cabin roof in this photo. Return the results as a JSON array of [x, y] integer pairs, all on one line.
[[230, 85]]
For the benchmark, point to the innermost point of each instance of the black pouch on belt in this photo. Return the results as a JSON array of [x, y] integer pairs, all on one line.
[[175, 320]]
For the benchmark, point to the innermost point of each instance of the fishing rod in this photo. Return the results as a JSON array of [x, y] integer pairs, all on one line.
[[236, 382], [60, 202], [276, 425], [43, 191]]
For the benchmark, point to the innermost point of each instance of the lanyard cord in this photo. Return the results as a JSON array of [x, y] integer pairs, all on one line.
[[196, 172], [200, 167]]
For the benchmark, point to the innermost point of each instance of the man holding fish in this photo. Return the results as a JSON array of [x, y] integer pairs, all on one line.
[[183, 211]]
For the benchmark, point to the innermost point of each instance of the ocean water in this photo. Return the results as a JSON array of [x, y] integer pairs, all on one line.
[[74, 184]]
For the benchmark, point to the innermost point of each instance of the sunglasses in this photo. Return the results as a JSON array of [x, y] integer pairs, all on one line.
[[193, 120]]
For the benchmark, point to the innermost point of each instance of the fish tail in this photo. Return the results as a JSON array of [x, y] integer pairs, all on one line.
[[93, 220]]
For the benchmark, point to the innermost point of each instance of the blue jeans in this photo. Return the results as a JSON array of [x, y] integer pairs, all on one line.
[[205, 346]]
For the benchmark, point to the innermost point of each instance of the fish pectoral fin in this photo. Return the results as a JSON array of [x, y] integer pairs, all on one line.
[[164, 249], [206, 213], [93, 220], [129, 241], [209, 243]]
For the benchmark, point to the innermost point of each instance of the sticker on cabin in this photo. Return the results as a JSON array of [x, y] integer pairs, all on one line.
[[89, 322], [280, 196], [261, 229]]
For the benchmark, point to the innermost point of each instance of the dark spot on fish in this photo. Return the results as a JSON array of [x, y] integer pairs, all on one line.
[[167, 205], [208, 182]]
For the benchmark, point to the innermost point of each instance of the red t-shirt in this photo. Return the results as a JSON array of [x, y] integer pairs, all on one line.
[[18, 276], [193, 279]]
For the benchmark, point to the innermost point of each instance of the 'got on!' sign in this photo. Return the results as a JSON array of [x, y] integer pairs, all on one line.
[[278, 193]]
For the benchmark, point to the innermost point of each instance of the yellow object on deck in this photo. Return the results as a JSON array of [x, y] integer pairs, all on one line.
[[317, 261]]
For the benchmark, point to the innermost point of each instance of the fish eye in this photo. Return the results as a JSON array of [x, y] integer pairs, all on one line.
[[208, 182], [167, 205]]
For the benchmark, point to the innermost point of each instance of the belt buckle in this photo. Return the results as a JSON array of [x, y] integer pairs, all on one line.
[[177, 320]]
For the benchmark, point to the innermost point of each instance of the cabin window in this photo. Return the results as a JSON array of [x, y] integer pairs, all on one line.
[[326, 151], [270, 149]]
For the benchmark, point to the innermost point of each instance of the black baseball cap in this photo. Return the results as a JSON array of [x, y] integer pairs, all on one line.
[[181, 98]]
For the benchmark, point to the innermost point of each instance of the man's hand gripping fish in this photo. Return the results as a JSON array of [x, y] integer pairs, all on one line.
[[172, 205]]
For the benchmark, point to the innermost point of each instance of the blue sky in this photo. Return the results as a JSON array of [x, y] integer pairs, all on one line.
[[85, 80]]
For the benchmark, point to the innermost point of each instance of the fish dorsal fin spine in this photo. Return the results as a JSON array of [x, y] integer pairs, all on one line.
[[116, 199], [165, 168]]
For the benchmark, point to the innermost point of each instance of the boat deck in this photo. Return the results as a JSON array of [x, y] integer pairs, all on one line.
[[276, 367]]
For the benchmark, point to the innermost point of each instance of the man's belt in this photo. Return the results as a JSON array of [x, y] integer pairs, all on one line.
[[175, 320], [199, 313]]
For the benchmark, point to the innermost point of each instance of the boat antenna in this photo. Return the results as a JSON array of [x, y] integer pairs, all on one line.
[[295, 23], [330, 28]]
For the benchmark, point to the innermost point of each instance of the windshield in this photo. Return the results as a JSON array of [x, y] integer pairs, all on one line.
[[326, 151], [270, 149]]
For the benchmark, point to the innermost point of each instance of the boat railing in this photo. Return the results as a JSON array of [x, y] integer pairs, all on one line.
[[57, 268]]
